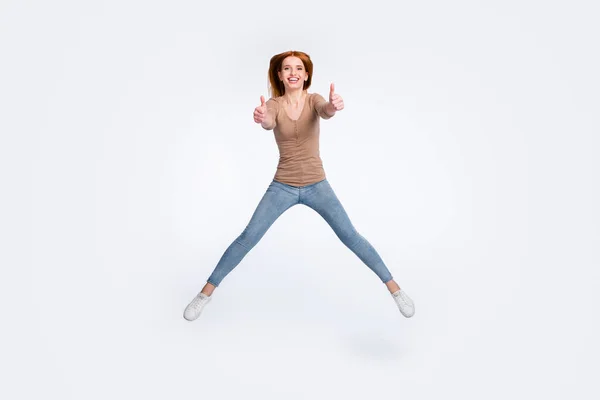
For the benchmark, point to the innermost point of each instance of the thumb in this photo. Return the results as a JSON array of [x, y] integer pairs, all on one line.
[[262, 100], [331, 88]]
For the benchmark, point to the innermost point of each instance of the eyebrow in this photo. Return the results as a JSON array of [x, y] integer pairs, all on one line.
[[297, 65]]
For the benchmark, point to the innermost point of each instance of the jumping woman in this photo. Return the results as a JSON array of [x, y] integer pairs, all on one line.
[[294, 114]]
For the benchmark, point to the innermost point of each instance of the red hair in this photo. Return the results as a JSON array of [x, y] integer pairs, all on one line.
[[276, 87]]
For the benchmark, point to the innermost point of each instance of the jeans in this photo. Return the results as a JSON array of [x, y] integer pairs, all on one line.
[[276, 200]]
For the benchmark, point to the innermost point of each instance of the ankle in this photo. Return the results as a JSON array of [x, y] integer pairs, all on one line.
[[208, 289], [392, 286]]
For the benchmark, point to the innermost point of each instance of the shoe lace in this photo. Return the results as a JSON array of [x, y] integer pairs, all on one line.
[[198, 301], [402, 298]]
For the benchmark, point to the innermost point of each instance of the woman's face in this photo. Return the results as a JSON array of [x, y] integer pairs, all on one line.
[[292, 73]]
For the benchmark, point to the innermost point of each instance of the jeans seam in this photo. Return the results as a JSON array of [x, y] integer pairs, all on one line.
[[241, 244]]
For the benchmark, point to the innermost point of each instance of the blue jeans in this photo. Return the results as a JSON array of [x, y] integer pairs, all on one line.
[[277, 199]]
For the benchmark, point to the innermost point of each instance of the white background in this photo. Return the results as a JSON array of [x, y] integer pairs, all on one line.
[[466, 154]]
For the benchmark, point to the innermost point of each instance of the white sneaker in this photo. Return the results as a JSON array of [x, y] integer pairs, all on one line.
[[405, 304], [193, 310]]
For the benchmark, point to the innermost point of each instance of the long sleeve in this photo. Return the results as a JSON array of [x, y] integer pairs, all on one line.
[[272, 111], [319, 104]]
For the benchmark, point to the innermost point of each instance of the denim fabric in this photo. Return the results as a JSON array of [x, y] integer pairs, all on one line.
[[276, 200]]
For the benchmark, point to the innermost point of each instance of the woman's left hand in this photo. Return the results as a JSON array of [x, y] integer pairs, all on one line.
[[335, 99]]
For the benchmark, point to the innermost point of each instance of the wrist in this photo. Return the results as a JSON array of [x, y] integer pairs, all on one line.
[[330, 109], [266, 123]]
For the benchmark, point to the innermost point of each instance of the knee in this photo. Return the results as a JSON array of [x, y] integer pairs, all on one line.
[[350, 238], [248, 238]]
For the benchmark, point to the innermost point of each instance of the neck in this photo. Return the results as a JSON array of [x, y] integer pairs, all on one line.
[[293, 96]]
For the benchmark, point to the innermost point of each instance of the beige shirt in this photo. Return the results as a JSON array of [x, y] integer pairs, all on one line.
[[300, 162]]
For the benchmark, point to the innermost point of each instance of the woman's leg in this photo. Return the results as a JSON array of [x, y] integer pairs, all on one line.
[[274, 202], [321, 198]]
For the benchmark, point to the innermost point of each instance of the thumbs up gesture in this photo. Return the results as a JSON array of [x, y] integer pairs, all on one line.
[[260, 112], [335, 99]]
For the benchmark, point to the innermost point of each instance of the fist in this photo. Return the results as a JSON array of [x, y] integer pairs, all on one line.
[[260, 112], [335, 99]]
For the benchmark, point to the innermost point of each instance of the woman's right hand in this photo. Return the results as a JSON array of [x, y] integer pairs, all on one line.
[[260, 112]]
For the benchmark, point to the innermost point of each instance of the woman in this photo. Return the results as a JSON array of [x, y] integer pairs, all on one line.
[[293, 114]]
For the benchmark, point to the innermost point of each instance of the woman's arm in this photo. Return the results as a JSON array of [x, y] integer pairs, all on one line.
[[270, 120], [322, 107], [327, 109]]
